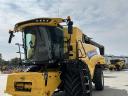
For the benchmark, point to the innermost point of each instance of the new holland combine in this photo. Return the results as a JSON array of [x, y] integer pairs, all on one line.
[[117, 65], [61, 60]]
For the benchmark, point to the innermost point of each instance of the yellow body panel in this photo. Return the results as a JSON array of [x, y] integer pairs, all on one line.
[[38, 87], [91, 62]]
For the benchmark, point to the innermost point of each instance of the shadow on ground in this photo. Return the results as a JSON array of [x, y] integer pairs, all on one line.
[[109, 76], [110, 92]]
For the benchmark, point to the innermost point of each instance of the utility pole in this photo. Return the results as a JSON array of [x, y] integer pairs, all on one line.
[[18, 44]]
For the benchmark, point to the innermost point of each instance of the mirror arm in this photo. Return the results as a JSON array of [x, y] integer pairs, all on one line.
[[11, 36]]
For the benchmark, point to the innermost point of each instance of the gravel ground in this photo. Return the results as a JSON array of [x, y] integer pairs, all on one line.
[[116, 84]]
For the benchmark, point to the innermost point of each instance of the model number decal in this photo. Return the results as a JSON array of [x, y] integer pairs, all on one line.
[[91, 53]]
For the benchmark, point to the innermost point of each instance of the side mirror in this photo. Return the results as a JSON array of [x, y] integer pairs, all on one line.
[[11, 36], [101, 51], [70, 27]]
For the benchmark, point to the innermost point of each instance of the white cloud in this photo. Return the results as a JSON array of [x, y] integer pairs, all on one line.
[[105, 21]]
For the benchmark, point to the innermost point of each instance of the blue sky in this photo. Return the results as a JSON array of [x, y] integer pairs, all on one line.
[[106, 21]]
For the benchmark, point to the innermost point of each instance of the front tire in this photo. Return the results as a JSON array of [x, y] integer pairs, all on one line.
[[99, 78], [77, 80]]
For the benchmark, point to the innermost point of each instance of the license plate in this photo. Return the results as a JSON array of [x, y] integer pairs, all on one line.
[[23, 86]]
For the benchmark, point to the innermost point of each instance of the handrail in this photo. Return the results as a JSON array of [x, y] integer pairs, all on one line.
[[82, 48]]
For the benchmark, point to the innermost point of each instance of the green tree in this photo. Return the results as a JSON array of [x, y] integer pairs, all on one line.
[[15, 61]]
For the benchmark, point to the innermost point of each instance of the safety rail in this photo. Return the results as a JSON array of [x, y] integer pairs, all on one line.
[[77, 49]]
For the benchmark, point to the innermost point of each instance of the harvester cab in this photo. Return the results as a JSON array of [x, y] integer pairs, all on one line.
[[61, 60], [43, 38]]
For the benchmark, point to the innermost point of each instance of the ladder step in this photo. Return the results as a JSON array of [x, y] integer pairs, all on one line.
[[88, 91], [86, 84], [84, 69]]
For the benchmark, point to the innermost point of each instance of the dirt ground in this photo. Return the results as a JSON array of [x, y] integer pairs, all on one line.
[[116, 84]]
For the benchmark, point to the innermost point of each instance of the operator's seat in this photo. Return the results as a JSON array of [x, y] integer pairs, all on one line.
[[32, 46]]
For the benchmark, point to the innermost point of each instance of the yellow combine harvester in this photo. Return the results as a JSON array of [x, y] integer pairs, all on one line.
[[117, 64], [61, 60]]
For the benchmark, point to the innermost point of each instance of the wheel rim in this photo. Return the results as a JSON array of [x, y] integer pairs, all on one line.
[[102, 77]]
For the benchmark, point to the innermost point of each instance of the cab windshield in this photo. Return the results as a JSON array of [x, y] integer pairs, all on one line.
[[39, 42]]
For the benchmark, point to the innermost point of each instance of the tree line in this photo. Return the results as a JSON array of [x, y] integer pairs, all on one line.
[[11, 64]]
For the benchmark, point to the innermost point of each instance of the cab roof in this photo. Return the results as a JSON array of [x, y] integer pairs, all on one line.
[[38, 21]]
